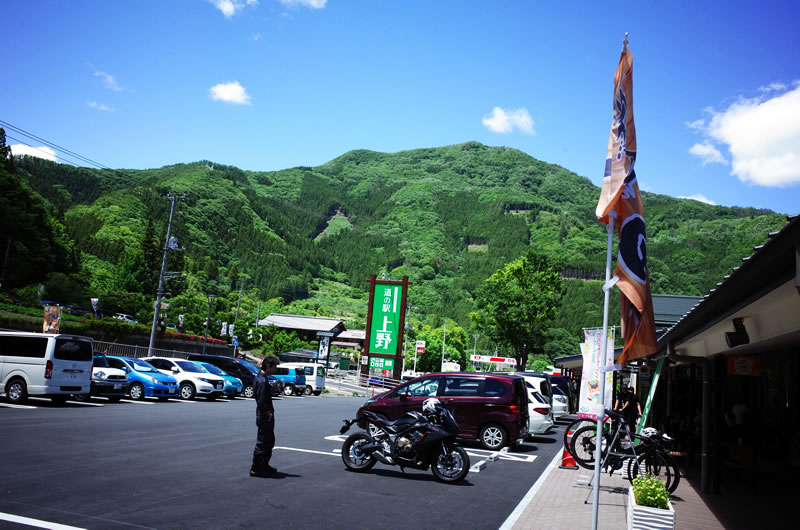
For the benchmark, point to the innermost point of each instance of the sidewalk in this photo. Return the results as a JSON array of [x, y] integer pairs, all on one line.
[[562, 498]]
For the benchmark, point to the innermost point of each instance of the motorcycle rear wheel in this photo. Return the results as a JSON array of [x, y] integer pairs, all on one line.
[[450, 468], [353, 457]]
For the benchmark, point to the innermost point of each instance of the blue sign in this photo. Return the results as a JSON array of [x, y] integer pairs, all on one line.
[[235, 341]]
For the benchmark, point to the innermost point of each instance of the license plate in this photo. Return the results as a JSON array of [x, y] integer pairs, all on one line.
[[117, 386]]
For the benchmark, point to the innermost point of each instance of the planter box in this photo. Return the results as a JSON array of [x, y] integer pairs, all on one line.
[[649, 518]]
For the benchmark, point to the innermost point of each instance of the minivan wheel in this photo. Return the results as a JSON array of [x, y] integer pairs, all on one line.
[[248, 391], [288, 390], [16, 391], [493, 437], [187, 391], [307, 391]]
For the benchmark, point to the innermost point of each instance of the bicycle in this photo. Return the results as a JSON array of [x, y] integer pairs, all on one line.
[[649, 457]]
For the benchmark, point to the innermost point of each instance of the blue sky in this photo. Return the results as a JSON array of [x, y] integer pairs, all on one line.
[[271, 84]]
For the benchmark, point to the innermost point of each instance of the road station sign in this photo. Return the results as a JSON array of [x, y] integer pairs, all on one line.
[[381, 363], [491, 359], [420, 346]]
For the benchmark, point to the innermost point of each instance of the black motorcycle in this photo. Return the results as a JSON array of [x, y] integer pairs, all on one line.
[[415, 440]]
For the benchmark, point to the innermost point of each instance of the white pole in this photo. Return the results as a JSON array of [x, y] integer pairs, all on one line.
[[444, 336], [603, 354]]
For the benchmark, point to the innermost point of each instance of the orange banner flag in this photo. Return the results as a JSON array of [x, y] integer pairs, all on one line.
[[621, 203]]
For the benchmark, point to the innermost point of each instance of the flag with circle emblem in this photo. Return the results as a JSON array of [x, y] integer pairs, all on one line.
[[621, 204]]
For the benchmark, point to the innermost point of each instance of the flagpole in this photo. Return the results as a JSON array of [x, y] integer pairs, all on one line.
[[609, 283]]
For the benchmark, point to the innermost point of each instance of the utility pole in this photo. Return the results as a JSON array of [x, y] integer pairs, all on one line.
[[444, 336], [405, 339], [171, 244], [208, 319], [235, 318]]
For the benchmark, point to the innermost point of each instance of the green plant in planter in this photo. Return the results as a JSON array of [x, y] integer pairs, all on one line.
[[650, 491]]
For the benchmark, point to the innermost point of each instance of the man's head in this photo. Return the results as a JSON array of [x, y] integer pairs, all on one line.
[[269, 365]]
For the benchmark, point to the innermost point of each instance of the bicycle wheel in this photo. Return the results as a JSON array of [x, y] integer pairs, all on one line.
[[676, 473], [573, 428], [583, 446], [655, 464]]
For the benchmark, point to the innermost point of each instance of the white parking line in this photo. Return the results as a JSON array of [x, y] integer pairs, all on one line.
[[307, 451], [71, 402], [36, 522], [136, 402], [15, 406]]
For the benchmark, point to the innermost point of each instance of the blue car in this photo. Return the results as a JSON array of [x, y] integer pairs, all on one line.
[[145, 379], [233, 386]]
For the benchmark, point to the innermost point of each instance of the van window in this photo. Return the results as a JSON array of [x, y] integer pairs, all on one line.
[[461, 386], [248, 366], [424, 387], [282, 371], [309, 370], [494, 388], [35, 347], [73, 350]]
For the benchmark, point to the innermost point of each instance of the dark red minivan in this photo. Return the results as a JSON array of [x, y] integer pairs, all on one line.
[[489, 408]]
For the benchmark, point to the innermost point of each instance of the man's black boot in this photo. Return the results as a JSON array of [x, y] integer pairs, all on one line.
[[257, 469]]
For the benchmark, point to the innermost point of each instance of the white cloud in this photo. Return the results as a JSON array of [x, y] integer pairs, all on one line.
[[698, 197], [762, 135], [708, 153], [255, 36], [231, 92], [697, 125], [506, 120], [109, 81], [313, 4], [773, 87], [99, 106], [40, 152], [229, 8]]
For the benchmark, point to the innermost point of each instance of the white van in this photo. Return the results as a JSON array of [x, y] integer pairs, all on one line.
[[39, 364], [315, 376]]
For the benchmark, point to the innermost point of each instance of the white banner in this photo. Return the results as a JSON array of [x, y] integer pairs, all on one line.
[[593, 367]]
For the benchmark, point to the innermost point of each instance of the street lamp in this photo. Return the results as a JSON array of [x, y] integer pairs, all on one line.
[[208, 319]]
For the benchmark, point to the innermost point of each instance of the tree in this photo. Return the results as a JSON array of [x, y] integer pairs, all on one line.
[[517, 304]]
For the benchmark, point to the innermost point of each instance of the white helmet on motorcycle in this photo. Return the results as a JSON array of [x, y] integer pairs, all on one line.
[[430, 405], [649, 432]]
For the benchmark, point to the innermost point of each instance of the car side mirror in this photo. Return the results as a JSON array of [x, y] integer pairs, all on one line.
[[125, 369], [174, 369]]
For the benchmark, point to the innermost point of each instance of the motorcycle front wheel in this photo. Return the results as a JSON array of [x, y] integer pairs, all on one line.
[[452, 467], [352, 455]]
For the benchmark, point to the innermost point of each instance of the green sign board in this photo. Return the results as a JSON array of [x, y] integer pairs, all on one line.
[[384, 334], [381, 363]]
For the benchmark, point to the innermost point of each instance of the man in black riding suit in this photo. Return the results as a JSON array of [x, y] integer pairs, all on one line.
[[265, 420]]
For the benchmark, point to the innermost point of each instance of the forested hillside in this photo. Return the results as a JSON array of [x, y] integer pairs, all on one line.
[[446, 217]]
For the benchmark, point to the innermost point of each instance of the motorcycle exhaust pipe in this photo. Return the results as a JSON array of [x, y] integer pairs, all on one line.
[[376, 449]]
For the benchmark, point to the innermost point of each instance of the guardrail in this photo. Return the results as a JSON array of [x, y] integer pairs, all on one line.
[[131, 350]]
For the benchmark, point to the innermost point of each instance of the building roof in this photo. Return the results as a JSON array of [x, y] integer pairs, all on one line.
[[299, 322], [669, 308], [764, 291]]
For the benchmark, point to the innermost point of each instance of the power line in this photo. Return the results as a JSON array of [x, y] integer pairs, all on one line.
[[54, 146]]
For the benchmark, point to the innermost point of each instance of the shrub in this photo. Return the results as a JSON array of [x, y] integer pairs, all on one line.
[[650, 491]]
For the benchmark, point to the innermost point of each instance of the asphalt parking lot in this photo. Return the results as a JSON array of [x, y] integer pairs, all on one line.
[[185, 464]]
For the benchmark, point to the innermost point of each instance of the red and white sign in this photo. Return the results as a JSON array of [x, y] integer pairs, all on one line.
[[490, 359], [420, 346]]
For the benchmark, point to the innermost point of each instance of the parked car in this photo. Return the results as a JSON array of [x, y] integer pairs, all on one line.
[[49, 365], [144, 379], [560, 403], [569, 389], [541, 417], [315, 377], [233, 386], [489, 408], [125, 318], [244, 370], [107, 381], [294, 379], [192, 380]]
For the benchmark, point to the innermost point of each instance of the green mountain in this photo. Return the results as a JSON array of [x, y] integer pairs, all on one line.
[[447, 217]]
